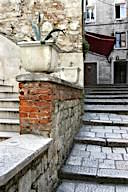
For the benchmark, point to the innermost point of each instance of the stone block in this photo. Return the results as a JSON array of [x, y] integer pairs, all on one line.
[[93, 148], [121, 188], [113, 174], [122, 165], [74, 160], [114, 156], [79, 170], [25, 182], [66, 187], [107, 164], [98, 155]]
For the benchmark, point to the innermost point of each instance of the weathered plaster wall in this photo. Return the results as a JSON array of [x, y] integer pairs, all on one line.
[[16, 17]]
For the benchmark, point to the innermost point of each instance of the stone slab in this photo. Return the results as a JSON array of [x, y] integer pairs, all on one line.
[[110, 174], [18, 152], [70, 171], [45, 78], [73, 186]]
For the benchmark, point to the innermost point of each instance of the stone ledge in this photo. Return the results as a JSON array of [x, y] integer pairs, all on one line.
[[18, 152], [8, 134], [30, 77]]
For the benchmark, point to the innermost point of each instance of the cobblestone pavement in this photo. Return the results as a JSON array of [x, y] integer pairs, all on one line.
[[98, 161]]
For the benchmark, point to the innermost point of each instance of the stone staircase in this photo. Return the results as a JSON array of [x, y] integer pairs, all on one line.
[[98, 161], [9, 111]]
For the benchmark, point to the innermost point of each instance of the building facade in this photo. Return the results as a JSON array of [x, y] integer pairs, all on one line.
[[110, 18]]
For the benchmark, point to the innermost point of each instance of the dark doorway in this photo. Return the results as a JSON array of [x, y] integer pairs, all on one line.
[[120, 70], [90, 76]]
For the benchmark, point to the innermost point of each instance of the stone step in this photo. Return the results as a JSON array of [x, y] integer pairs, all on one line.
[[6, 88], [8, 134], [9, 125], [105, 119], [106, 86], [84, 186], [107, 93], [97, 163], [9, 102], [105, 122], [107, 89], [119, 96], [1, 82], [9, 113], [106, 108], [94, 101], [115, 136], [7, 94]]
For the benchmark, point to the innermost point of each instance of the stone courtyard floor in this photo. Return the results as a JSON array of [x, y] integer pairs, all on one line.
[[98, 161]]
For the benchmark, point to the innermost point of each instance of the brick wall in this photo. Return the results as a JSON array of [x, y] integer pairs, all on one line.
[[51, 108], [39, 101]]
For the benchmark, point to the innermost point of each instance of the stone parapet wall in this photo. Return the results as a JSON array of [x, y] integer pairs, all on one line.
[[44, 98], [52, 108], [27, 165]]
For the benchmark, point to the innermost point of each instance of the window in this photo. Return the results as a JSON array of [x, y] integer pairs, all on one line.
[[89, 11], [120, 10], [120, 40]]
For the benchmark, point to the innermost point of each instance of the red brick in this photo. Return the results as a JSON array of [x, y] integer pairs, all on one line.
[[44, 121], [34, 115], [28, 109], [42, 91], [46, 97], [23, 115]]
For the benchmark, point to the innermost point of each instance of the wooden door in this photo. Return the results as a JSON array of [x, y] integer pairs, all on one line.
[[90, 75], [120, 72]]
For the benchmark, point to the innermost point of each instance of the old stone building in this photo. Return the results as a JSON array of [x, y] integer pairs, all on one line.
[[108, 18]]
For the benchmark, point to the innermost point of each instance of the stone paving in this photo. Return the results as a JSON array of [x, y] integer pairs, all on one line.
[[107, 118], [73, 186], [96, 96], [106, 101], [109, 108], [98, 161]]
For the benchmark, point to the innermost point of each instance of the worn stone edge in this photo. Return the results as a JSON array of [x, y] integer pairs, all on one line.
[[10, 174], [36, 77]]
